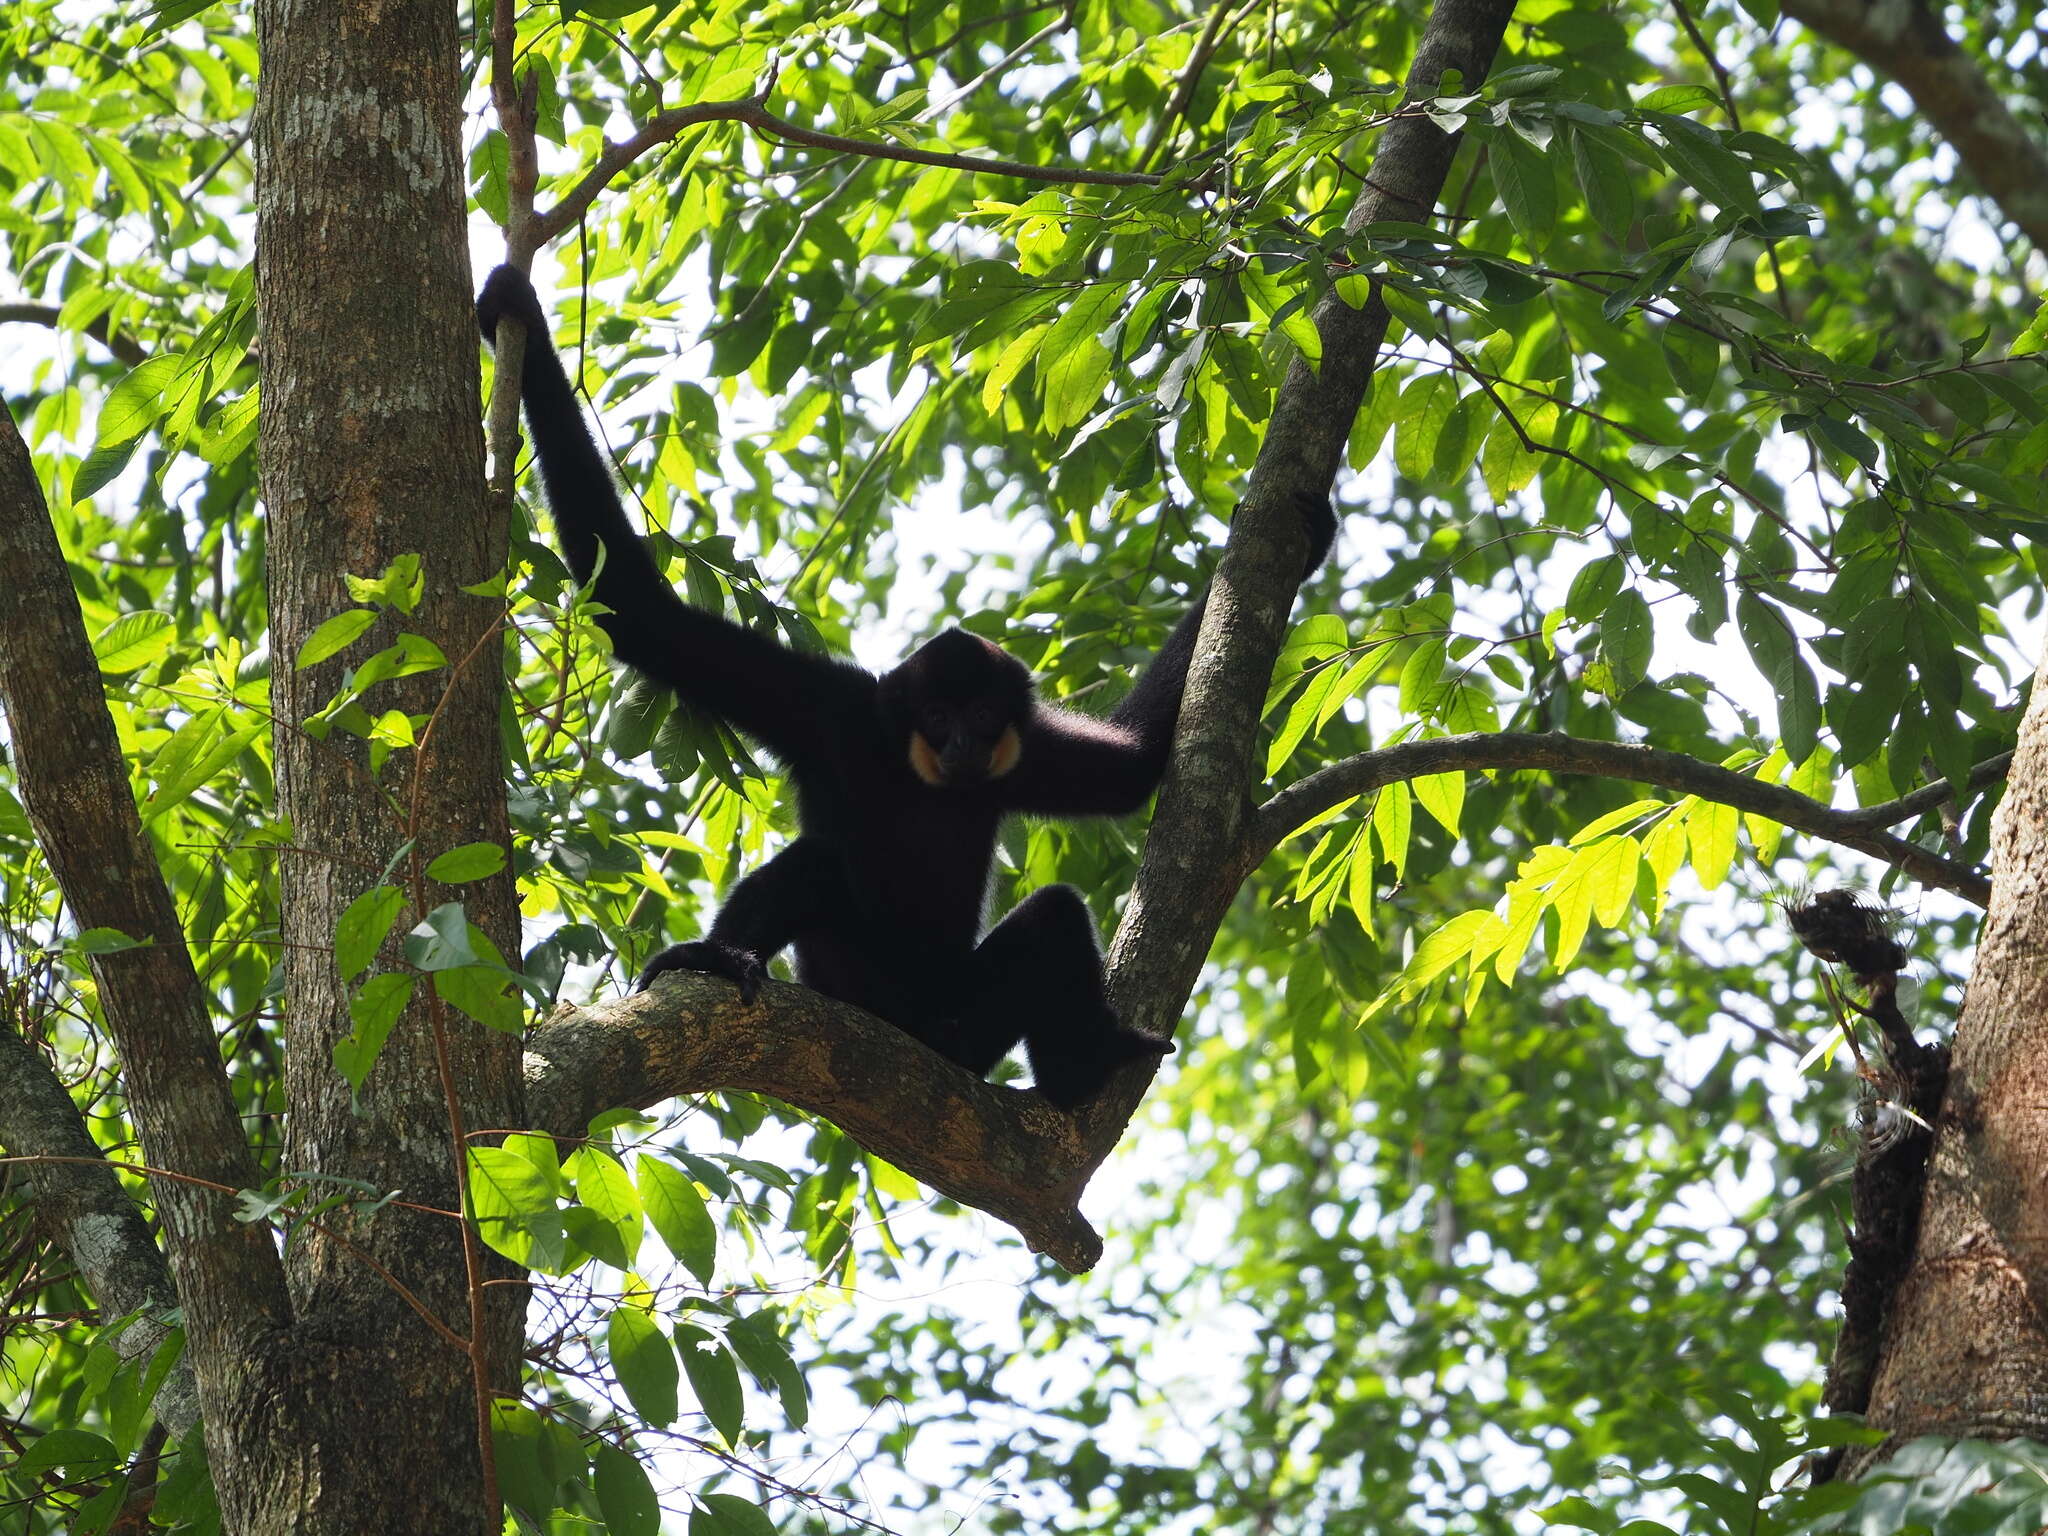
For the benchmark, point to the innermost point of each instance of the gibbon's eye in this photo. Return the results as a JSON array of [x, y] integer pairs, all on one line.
[[982, 717]]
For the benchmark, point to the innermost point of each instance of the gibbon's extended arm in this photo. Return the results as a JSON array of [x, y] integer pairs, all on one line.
[[1076, 765], [782, 698]]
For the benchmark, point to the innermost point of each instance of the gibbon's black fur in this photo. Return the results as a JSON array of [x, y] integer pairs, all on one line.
[[902, 781]]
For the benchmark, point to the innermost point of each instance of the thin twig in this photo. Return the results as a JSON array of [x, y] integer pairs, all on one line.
[[1184, 88], [664, 126]]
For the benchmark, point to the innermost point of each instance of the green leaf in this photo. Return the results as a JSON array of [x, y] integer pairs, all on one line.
[[1611, 880], [1506, 463], [399, 587], [761, 1349], [1775, 649], [1603, 177], [1071, 382], [1571, 897], [133, 641], [80, 1452], [1846, 437], [1446, 946], [365, 924], [602, 1185], [625, 1497], [1392, 821], [134, 404], [515, 1209], [1073, 364], [471, 861], [1699, 157], [1625, 638], [1284, 307], [645, 1363], [637, 711], [1861, 717], [526, 1474], [727, 1514], [1008, 364], [1301, 715], [1679, 98], [485, 992], [104, 941], [1425, 406], [1710, 830], [714, 1378], [1528, 187], [101, 467], [441, 943], [408, 655], [679, 1215], [335, 636], [1443, 796], [202, 747], [1594, 589], [1664, 851], [374, 1009]]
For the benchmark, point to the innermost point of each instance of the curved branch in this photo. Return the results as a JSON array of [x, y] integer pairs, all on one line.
[[126, 349], [1001, 1150], [1908, 42], [1557, 753], [664, 126], [80, 1201], [73, 781]]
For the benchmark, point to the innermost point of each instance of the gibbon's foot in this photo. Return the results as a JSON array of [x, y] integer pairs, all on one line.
[[1321, 517], [1068, 1083], [710, 957], [508, 291], [1125, 1044]]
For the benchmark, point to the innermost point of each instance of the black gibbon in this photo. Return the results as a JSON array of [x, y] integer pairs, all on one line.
[[902, 781]]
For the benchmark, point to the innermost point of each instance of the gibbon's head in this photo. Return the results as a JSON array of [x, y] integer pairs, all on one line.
[[958, 703]]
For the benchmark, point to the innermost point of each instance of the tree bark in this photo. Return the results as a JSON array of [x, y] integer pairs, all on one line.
[[74, 785], [1198, 851], [371, 449], [1965, 1349]]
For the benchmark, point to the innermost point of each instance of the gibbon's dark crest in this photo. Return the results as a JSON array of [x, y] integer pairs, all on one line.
[[901, 781]]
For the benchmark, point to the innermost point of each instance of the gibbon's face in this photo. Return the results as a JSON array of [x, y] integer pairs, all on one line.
[[961, 704]]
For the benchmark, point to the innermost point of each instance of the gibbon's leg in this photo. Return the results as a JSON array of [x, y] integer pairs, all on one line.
[[761, 917], [1038, 978]]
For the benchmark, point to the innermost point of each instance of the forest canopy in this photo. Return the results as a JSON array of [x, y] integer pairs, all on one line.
[[1686, 569]]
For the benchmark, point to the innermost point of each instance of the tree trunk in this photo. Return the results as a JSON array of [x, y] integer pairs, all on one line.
[[1966, 1350], [365, 1419]]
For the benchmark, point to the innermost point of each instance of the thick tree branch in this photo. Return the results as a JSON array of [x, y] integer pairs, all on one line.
[[1194, 853], [1360, 775], [1905, 40], [75, 787], [81, 1202], [664, 126], [1001, 1150], [125, 349]]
